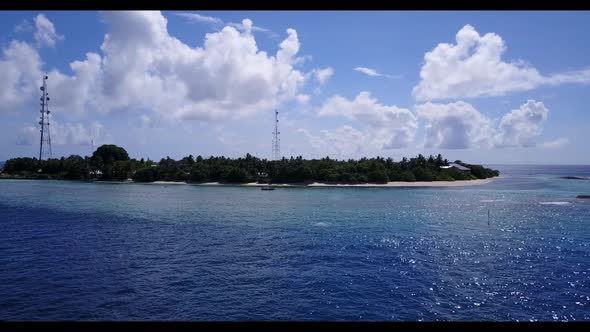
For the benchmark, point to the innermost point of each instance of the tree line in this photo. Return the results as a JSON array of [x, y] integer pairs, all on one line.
[[111, 162]]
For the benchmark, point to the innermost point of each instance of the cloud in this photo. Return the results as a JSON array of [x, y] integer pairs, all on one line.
[[23, 26], [20, 66], [575, 76], [81, 91], [343, 142], [474, 67], [303, 99], [141, 67], [384, 127], [64, 134], [229, 76], [45, 34], [216, 22], [391, 127], [323, 75], [197, 18], [232, 139], [520, 127], [146, 122], [556, 143], [454, 126], [460, 126], [302, 59], [367, 71], [252, 27], [374, 73]]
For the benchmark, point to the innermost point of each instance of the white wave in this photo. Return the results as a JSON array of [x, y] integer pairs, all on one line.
[[554, 203], [390, 241], [491, 200], [321, 224]]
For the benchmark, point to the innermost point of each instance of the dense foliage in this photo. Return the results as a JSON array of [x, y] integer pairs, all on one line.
[[110, 162]]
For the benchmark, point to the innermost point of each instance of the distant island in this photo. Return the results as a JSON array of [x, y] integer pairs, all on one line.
[[112, 163], [575, 177]]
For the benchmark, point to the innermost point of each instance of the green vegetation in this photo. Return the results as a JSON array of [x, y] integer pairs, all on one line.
[[110, 162]]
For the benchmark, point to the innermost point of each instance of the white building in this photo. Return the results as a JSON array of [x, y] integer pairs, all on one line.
[[457, 167]]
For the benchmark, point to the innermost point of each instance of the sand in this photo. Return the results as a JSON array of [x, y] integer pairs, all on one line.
[[411, 184], [368, 185]]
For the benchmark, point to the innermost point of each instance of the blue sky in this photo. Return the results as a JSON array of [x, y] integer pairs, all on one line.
[[483, 87]]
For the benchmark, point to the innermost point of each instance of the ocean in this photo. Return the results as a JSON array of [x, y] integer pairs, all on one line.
[[96, 251]]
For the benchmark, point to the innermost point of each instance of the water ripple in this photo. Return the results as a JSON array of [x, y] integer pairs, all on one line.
[[150, 253]]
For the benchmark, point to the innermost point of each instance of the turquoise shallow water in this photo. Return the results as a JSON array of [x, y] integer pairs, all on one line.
[[89, 251]]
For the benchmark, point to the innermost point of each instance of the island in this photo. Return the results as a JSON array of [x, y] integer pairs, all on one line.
[[575, 177], [112, 163]]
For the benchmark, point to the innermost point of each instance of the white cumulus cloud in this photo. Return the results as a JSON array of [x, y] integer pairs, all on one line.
[[303, 99], [323, 75], [473, 67], [64, 134], [80, 92], [454, 126], [460, 126], [229, 76], [343, 142], [20, 66], [520, 127], [382, 127], [141, 67], [392, 127]]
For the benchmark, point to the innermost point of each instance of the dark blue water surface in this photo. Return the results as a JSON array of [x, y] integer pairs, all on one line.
[[89, 251]]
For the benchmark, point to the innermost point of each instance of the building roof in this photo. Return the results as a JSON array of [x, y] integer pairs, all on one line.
[[459, 167]]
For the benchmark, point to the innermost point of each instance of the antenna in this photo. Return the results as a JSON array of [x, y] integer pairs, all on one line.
[[276, 142], [45, 133]]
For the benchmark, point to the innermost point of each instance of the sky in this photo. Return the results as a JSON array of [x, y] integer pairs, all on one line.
[[494, 87]]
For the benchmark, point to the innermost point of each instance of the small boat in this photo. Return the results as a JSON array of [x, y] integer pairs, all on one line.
[[267, 188]]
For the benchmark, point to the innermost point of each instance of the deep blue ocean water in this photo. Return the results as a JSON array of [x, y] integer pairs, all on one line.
[[89, 251]]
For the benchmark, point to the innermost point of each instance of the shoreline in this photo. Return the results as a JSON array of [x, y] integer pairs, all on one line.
[[393, 184]]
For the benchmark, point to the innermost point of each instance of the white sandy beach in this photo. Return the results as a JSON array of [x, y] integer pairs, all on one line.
[[166, 182], [395, 184], [371, 185], [411, 184]]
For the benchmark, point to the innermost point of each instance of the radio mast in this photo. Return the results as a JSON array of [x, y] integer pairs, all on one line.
[[276, 142], [45, 133]]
